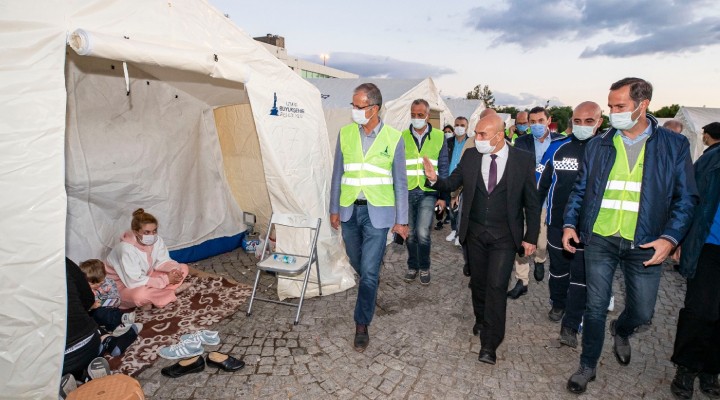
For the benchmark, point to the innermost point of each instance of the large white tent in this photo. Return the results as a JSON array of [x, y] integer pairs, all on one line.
[[397, 95], [693, 119], [468, 108], [162, 105]]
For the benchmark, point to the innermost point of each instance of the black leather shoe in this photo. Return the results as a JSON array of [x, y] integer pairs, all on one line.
[[224, 361], [476, 329], [362, 338], [487, 356], [518, 290], [184, 367], [568, 337], [709, 385], [683, 385], [621, 345], [556, 314], [578, 381], [539, 272], [466, 269]]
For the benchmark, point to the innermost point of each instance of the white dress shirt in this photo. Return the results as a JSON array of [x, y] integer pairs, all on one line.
[[501, 161]]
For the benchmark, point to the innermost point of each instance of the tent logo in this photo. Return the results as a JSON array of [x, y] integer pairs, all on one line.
[[274, 109], [290, 109]]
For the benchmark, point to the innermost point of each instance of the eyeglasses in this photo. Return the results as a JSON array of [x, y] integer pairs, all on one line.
[[361, 108]]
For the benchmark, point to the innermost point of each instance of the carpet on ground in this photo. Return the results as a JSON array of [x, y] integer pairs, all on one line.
[[206, 302]]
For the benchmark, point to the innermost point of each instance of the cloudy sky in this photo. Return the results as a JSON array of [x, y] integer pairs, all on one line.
[[527, 51]]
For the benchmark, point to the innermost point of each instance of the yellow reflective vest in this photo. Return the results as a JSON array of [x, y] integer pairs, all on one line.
[[414, 157], [621, 200], [370, 173]]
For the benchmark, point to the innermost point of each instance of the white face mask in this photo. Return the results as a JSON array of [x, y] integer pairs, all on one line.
[[148, 240], [358, 116], [418, 123], [460, 130], [623, 121], [484, 146], [583, 132], [448, 135]]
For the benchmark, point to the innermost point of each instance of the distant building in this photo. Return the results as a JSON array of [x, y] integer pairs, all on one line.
[[276, 45]]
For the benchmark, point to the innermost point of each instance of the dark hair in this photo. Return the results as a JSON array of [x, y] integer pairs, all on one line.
[[713, 129], [640, 89], [140, 218], [539, 109], [462, 118], [448, 126], [372, 92], [94, 270], [417, 102]]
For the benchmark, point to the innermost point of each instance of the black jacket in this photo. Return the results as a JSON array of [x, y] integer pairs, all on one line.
[[522, 198], [79, 300], [526, 142]]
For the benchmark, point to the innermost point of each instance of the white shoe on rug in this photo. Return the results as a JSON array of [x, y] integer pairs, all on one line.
[[451, 236], [457, 241]]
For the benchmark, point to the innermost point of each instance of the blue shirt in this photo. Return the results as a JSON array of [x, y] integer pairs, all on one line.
[[642, 136], [457, 152], [541, 148], [714, 237]]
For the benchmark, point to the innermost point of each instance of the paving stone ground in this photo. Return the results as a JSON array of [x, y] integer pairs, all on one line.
[[421, 344]]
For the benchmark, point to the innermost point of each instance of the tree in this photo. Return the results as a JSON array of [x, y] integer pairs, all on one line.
[[508, 110], [667, 111], [483, 93], [561, 116]]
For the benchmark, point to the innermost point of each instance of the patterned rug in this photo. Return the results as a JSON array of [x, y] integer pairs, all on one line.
[[204, 304]]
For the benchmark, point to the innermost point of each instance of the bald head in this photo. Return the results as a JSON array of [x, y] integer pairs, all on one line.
[[587, 113], [487, 112], [491, 128], [521, 118], [589, 107]]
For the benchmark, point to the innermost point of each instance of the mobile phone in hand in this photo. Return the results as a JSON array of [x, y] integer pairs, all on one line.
[[110, 303]]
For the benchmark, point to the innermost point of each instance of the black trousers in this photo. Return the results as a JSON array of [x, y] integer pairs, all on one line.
[[697, 341], [567, 279], [491, 258]]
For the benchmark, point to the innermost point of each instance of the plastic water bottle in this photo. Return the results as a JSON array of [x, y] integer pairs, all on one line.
[[284, 258]]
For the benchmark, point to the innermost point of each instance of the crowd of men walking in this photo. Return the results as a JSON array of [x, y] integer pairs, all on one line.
[[592, 201]]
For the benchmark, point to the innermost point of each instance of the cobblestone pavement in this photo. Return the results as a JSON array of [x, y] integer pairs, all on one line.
[[421, 345]]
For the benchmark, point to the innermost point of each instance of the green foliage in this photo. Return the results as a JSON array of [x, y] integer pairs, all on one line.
[[483, 93], [667, 111], [508, 110], [560, 116]]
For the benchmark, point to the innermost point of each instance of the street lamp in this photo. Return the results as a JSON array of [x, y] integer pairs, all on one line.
[[324, 58]]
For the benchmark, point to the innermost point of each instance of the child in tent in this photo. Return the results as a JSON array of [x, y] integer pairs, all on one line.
[[105, 310]]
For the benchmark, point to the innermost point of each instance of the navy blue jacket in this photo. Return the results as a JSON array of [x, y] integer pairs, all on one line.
[[527, 143], [707, 175], [668, 195]]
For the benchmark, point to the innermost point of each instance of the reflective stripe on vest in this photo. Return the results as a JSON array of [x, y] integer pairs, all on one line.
[[371, 172], [621, 200], [414, 158]]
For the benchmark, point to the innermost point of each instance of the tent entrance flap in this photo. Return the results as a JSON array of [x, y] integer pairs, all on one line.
[[202, 61]]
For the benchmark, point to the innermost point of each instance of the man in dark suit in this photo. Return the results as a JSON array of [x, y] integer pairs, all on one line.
[[493, 218]]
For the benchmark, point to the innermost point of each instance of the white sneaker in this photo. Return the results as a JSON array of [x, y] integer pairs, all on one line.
[[185, 349], [120, 330], [128, 318], [611, 306], [457, 241], [451, 236], [211, 338]]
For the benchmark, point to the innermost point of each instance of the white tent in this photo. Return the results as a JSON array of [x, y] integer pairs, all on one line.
[[693, 119], [212, 125], [397, 95], [468, 108]]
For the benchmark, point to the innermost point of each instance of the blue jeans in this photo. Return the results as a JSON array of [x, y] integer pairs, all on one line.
[[602, 257], [365, 247], [421, 208]]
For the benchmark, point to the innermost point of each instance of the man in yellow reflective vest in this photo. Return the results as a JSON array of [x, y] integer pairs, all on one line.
[[368, 197], [422, 140], [632, 203]]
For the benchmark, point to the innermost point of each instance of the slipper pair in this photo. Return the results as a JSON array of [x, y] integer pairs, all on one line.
[[197, 364]]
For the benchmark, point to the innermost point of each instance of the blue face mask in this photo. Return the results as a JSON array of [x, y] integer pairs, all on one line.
[[538, 130], [521, 128]]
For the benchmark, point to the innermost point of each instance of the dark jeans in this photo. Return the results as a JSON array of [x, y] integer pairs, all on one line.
[[567, 279], [365, 247], [602, 256], [697, 342], [491, 263], [76, 362], [107, 318], [420, 215], [453, 217]]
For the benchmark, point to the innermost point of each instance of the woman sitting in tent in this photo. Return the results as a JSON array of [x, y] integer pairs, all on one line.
[[141, 266]]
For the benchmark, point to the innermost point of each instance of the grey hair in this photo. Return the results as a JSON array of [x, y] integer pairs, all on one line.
[[372, 92]]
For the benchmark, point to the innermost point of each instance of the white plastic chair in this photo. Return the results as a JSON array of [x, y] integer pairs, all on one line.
[[303, 262]]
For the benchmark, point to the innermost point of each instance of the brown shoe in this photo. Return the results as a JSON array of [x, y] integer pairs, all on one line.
[[362, 338]]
